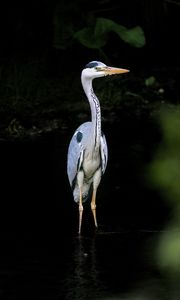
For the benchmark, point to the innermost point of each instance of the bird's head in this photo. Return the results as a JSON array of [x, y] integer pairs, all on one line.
[[96, 69]]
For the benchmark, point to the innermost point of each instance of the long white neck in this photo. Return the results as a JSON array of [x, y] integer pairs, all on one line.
[[95, 113]]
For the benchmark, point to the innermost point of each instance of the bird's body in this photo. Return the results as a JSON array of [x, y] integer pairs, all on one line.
[[87, 152], [80, 157]]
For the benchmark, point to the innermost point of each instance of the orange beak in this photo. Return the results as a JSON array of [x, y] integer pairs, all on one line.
[[111, 70]]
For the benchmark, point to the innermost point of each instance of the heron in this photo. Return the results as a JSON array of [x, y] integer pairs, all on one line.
[[88, 152]]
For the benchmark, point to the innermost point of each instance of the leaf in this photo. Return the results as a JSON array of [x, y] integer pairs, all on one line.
[[150, 81], [97, 37], [103, 26], [87, 38], [135, 36]]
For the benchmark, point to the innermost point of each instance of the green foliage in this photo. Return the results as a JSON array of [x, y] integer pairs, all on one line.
[[169, 251], [165, 171], [165, 175], [69, 28], [97, 36], [150, 81]]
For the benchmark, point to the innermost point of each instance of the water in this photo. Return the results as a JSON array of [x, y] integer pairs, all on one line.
[[98, 267], [42, 255]]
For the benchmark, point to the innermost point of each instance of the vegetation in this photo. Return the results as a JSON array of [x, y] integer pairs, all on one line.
[[165, 175]]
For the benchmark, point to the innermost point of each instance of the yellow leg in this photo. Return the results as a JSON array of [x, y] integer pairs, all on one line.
[[80, 210], [93, 207], [80, 178]]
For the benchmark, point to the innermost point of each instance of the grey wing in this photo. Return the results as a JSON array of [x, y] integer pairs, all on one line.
[[74, 159], [76, 152], [104, 153]]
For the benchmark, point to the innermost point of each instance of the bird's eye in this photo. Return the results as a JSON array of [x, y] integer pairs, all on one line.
[[98, 68]]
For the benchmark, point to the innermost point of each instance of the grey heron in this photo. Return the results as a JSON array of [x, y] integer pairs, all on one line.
[[88, 152]]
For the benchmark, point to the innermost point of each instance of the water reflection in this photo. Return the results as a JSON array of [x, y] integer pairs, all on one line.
[[82, 280], [105, 265], [114, 266]]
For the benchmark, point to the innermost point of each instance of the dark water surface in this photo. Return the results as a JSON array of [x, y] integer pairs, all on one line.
[[104, 266], [41, 255]]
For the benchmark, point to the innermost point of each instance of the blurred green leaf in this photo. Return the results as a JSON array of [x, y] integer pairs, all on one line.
[[169, 251], [150, 81], [135, 36], [87, 38], [165, 169], [171, 125], [97, 37], [165, 176]]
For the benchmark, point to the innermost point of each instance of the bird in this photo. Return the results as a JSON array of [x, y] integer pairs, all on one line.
[[88, 152]]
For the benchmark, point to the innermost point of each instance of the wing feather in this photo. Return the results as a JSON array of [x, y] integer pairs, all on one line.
[[104, 153], [76, 151]]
